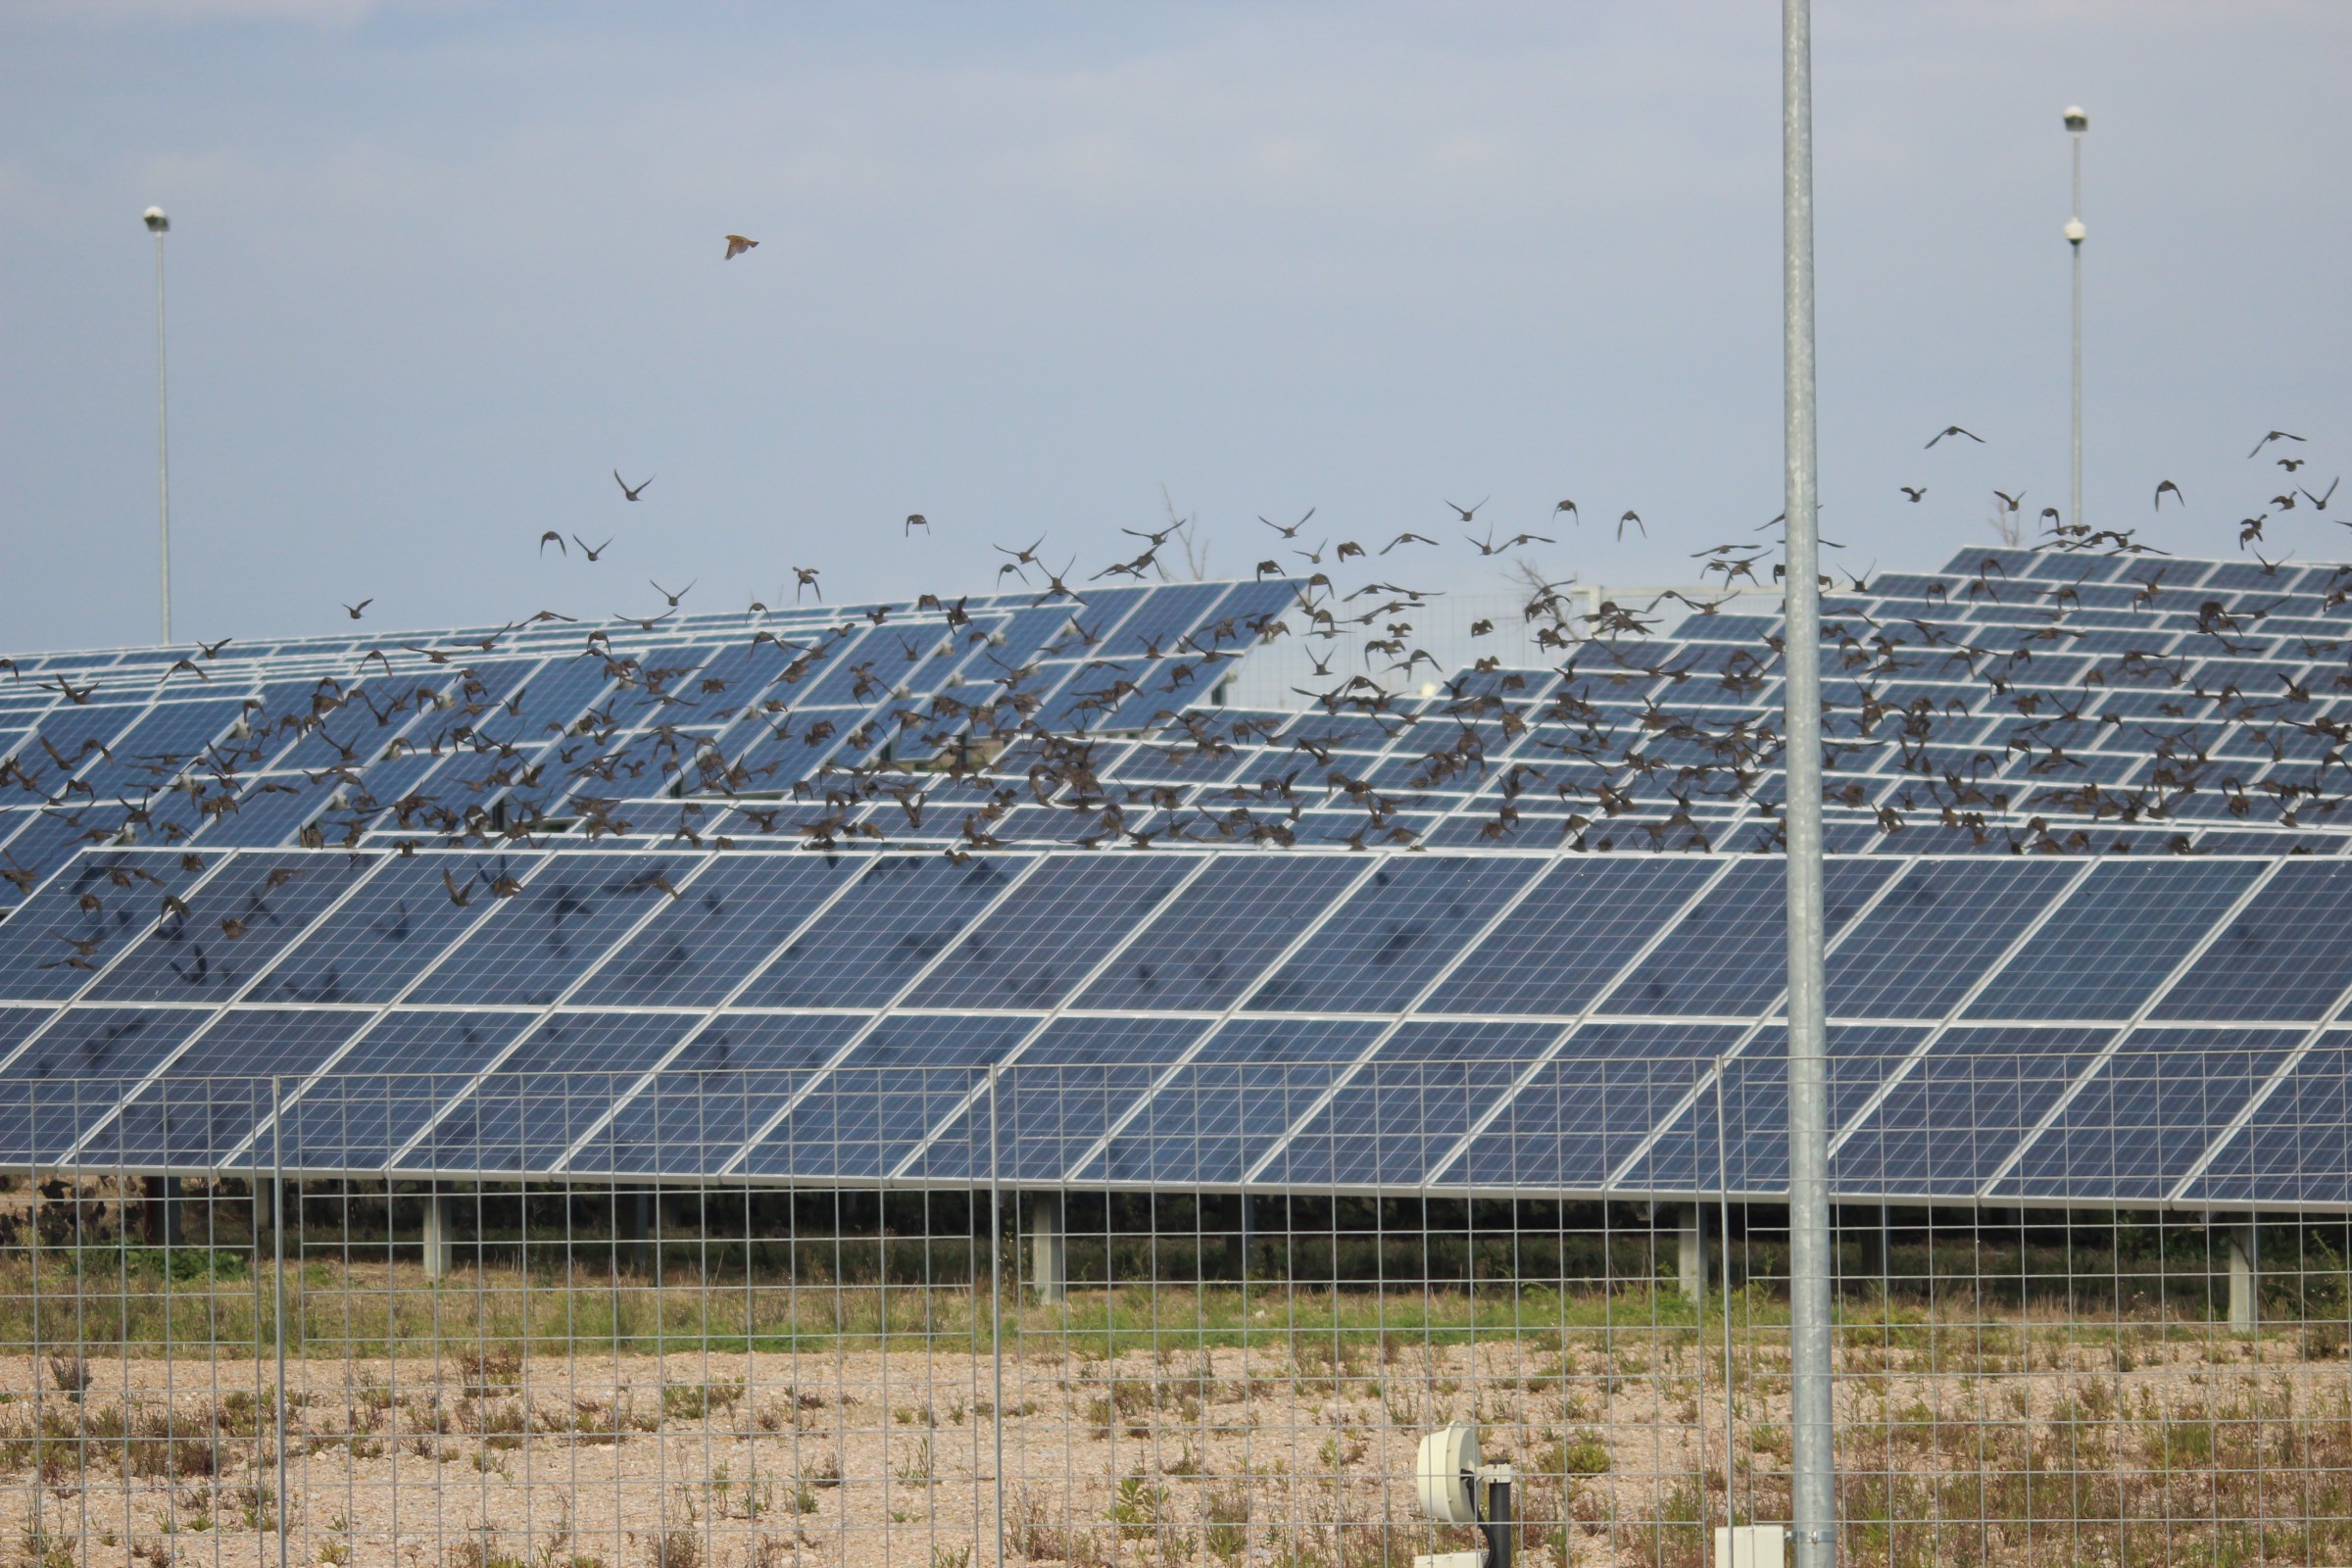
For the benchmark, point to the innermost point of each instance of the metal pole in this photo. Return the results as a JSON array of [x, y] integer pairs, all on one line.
[[995, 1318], [1813, 1496], [2077, 122], [159, 226], [277, 1240]]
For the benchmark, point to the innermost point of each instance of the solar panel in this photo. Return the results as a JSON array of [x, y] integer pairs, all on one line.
[[1349, 951]]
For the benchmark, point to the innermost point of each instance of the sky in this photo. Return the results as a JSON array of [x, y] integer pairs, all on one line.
[[437, 269]]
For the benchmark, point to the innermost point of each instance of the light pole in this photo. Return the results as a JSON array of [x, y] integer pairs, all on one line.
[[1812, 1468], [2077, 123], [159, 224]]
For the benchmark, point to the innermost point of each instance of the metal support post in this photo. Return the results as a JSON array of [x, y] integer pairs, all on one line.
[[162, 1218], [1690, 1251], [440, 1248], [1048, 1247], [1236, 1242], [2245, 1277], [1813, 1495]]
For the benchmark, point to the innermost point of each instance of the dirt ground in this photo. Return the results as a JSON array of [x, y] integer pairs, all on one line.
[[1295, 1457]]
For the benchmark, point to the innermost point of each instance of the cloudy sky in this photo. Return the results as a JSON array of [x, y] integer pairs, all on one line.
[[437, 268]]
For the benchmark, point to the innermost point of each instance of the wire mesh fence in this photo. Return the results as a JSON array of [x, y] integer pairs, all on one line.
[[1132, 1312]]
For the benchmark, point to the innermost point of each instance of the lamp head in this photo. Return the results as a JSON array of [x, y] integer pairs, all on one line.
[[157, 222], [2076, 120], [2075, 231]]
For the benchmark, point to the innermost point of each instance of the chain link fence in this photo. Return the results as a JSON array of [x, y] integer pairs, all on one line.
[[1216, 1338]]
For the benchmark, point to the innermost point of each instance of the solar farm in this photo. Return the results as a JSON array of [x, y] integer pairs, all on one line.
[[939, 1083]]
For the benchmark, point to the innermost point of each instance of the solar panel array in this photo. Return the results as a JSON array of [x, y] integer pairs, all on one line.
[[2042, 1029], [475, 906]]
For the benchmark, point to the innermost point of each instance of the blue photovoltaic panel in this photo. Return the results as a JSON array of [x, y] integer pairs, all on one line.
[[240, 919], [905, 911], [700, 947], [1947, 1124], [1402, 1111], [2112, 943], [63, 1082], [1580, 925], [701, 1108], [1746, 1148], [1217, 1115], [535, 944], [1935, 931], [556, 1087], [154, 750], [1056, 1102], [1582, 1114], [1217, 936], [202, 1106], [392, 929], [2287, 956], [2147, 1113], [868, 1114], [1730, 956], [380, 1093], [78, 921], [1393, 935], [2291, 1150], [1033, 948]]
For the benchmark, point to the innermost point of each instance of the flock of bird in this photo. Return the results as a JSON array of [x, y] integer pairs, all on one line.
[[1667, 771]]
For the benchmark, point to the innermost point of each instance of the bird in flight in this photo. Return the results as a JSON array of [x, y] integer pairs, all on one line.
[[1291, 532], [625, 491], [592, 550], [914, 520], [737, 245], [673, 598], [1953, 429], [1409, 537], [1469, 514], [554, 538], [1914, 494], [355, 609], [2166, 485], [2274, 435], [805, 578], [1634, 517], [2319, 503]]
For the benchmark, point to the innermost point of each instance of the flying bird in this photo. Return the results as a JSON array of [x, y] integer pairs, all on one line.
[[2274, 435], [737, 245], [2319, 503], [1291, 532], [591, 552], [1569, 507], [1953, 429], [1469, 514], [667, 594], [625, 491], [914, 520], [355, 609], [1634, 517], [2164, 486], [805, 578], [554, 538], [1913, 495]]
